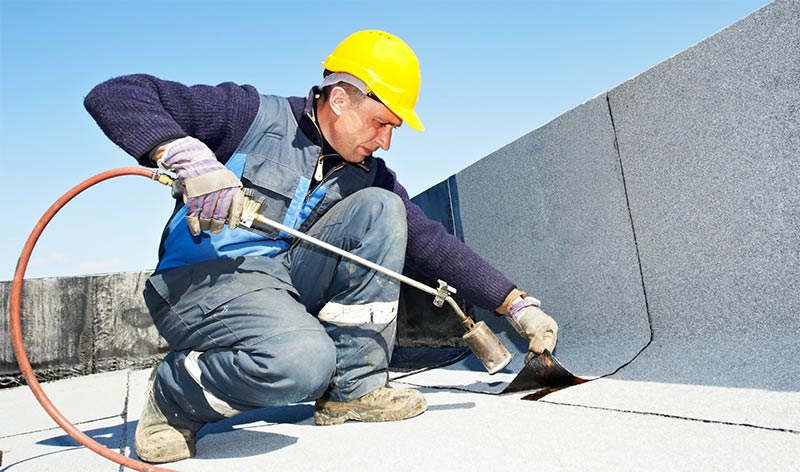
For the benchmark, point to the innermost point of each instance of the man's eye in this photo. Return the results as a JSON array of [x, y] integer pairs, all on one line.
[[384, 124]]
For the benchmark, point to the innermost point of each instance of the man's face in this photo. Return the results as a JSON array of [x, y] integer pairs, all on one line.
[[363, 128]]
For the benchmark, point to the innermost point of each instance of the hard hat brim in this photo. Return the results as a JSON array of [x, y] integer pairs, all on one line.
[[410, 117]]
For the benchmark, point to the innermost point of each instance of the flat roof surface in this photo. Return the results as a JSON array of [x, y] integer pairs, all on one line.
[[460, 431]]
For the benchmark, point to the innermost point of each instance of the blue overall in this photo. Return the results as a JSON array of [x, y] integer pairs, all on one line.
[[256, 319]]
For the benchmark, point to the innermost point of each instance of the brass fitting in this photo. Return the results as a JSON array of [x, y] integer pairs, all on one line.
[[162, 178]]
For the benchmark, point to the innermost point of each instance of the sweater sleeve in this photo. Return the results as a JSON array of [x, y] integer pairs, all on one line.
[[438, 254], [139, 112]]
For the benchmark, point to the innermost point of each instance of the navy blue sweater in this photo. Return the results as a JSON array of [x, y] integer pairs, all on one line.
[[140, 112]]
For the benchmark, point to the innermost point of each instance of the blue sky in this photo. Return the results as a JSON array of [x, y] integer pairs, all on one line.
[[492, 72]]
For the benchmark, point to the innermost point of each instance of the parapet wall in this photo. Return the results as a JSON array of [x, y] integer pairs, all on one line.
[[80, 325]]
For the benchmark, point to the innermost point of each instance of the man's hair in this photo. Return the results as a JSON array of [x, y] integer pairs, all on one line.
[[356, 95]]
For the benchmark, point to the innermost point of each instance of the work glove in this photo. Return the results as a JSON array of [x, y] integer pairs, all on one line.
[[533, 324], [211, 192]]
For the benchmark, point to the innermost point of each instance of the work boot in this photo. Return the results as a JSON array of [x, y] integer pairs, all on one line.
[[383, 404], [156, 440]]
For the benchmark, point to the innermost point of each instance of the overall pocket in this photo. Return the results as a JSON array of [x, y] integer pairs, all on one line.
[[276, 182]]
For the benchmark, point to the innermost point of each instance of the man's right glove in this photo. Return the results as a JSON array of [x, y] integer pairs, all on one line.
[[533, 324], [211, 191]]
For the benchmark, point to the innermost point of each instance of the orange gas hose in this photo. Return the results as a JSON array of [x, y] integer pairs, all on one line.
[[16, 329]]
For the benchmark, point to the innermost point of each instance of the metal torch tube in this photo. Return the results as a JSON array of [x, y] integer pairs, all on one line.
[[341, 252]]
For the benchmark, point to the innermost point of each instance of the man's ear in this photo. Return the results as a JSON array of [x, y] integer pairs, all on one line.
[[338, 100]]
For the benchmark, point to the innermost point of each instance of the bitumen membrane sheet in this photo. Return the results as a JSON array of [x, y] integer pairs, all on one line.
[[566, 235], [467, 373]]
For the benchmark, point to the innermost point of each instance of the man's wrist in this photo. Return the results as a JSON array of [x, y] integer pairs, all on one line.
[[518, 307], [513, 297], [157, 152]]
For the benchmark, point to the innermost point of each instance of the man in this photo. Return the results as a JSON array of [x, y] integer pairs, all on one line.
[[253, 317]]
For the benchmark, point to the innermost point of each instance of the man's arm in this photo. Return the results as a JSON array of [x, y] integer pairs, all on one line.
[[190, 130], [432, 250], [141, 112]]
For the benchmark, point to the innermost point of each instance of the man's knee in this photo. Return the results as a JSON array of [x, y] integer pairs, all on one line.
[[382, 213], [382, 203]]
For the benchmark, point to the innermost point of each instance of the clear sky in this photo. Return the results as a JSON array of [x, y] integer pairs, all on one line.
[[492, 71]]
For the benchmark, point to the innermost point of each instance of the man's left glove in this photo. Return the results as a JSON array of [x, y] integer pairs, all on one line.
[[211, 191], [533, 324]]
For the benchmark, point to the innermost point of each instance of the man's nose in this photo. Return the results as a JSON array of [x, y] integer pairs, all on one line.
[[384, 138]]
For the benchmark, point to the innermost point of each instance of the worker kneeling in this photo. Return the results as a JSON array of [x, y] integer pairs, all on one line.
[[255, 318], [243, 337]]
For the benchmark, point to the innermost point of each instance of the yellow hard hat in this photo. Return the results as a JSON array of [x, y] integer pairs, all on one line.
[[387, 66]]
